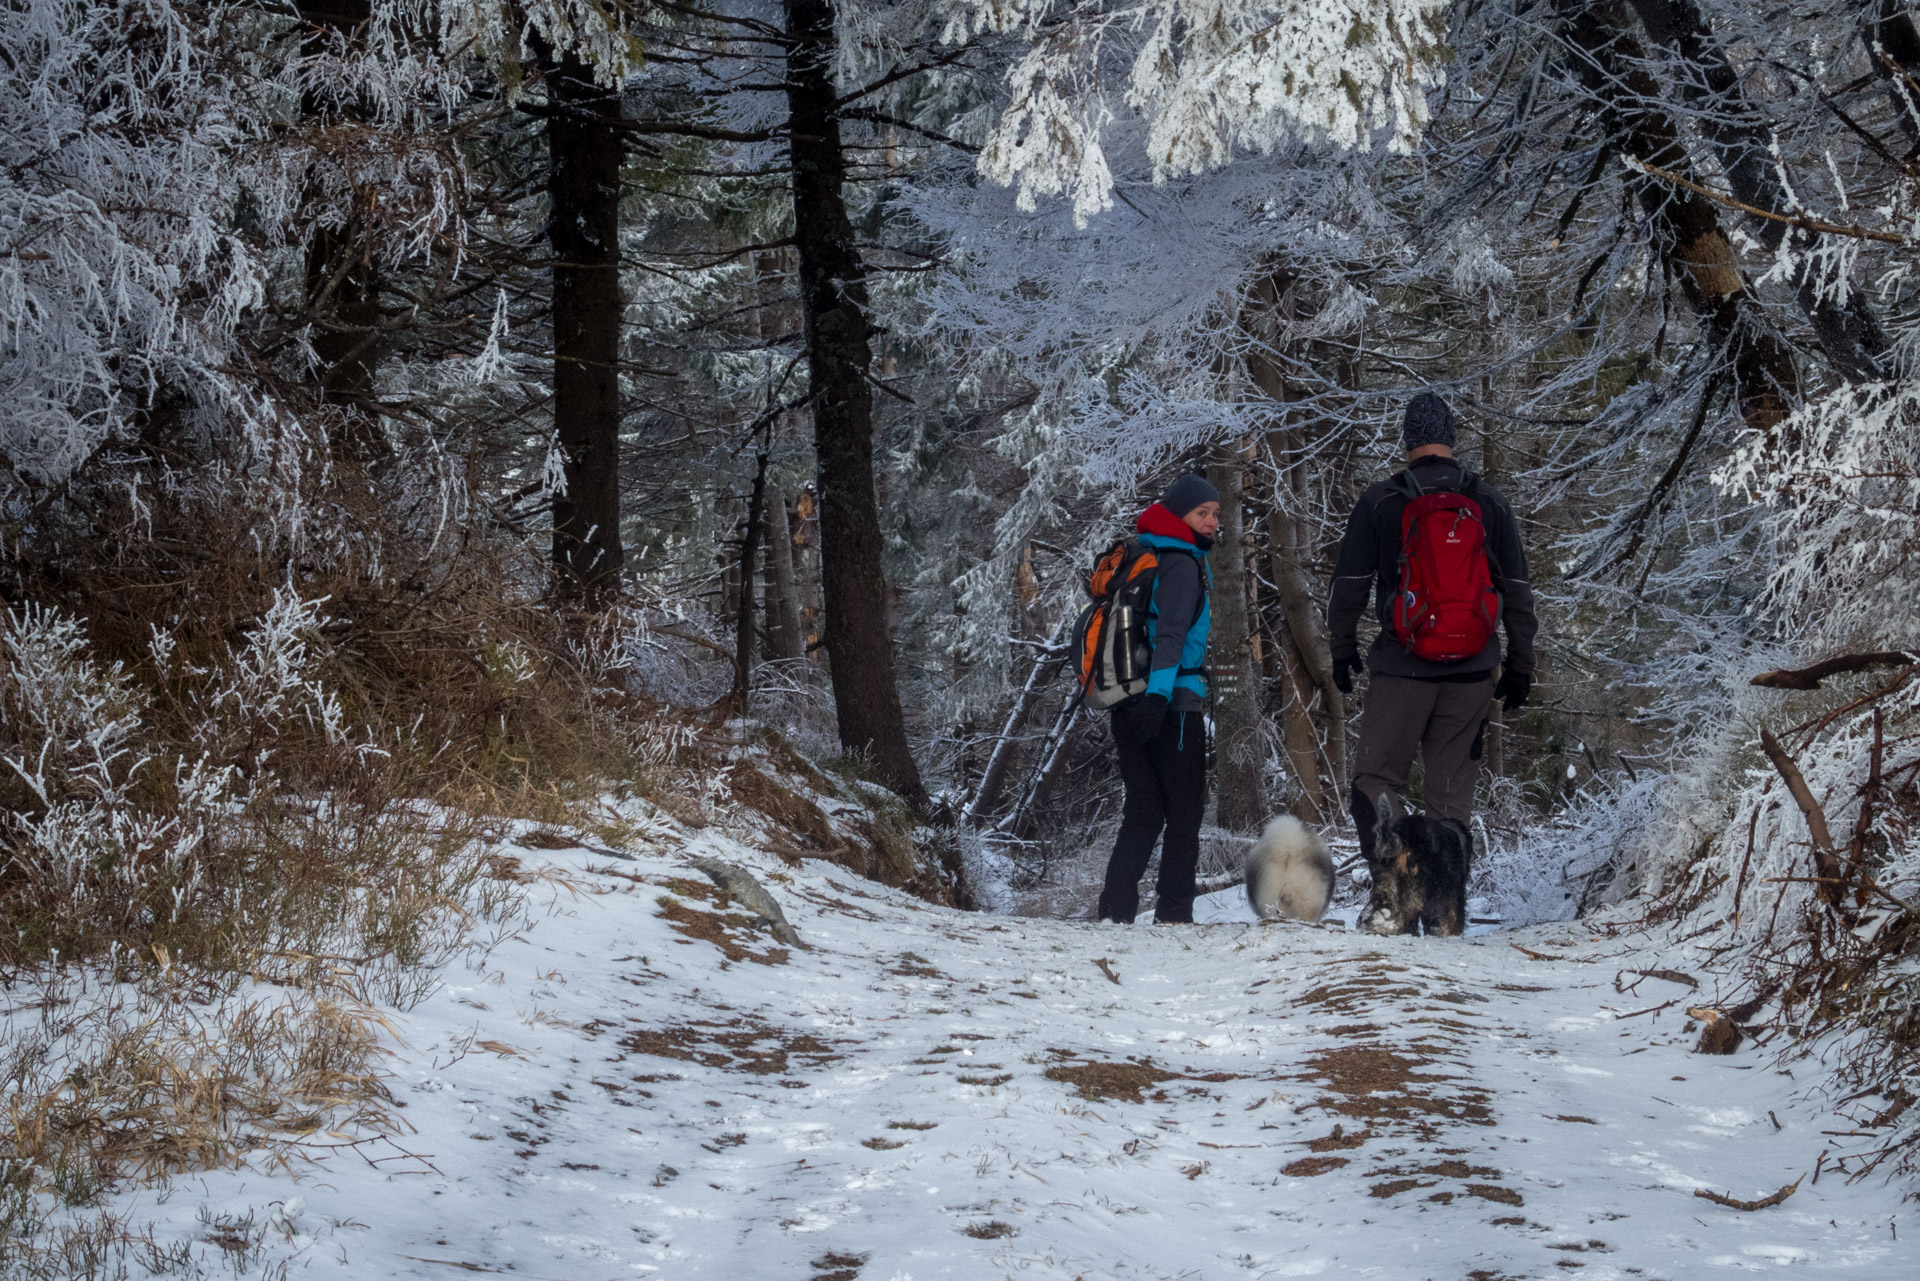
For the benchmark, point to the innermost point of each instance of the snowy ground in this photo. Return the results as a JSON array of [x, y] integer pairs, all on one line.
[[638, 1086]]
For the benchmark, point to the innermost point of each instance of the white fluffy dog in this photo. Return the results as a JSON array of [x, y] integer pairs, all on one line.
[[1289, 872]]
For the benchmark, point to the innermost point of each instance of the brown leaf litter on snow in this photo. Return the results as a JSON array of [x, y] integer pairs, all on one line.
[[1125, 1082], [1377, 1083], [742, 1045], [1338, 1141], [725, 930]]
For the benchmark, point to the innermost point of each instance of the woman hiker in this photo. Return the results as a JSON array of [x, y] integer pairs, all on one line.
[[1162, 737]]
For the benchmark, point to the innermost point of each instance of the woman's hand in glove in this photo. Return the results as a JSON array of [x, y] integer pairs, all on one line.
[[1148, 715]]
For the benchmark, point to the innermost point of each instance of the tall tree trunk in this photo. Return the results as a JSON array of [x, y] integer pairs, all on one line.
[[1240, 749], [583, 181], [1302, 742], [784, 640], [1493, 468], [743, 619], [343, 288], [1849, 333], [1305, 657], [1612, 65], [833, 298]]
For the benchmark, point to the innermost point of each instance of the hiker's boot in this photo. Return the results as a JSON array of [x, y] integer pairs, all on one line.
[[1445, 866]]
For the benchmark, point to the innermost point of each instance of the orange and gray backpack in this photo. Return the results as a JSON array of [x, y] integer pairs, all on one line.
[[1111, 649]]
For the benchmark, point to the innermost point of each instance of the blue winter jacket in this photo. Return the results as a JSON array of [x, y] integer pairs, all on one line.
[[1178, 636]]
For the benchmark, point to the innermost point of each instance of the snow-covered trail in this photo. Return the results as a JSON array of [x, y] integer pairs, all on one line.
[[637, 1087]]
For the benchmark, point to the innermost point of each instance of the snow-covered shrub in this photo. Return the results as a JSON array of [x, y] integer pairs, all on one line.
[[1830, 921]]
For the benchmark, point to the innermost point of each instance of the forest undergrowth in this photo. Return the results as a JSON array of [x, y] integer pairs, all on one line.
[[251, 815]]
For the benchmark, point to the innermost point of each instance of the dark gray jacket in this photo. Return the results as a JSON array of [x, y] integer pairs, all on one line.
[[1370, 565]]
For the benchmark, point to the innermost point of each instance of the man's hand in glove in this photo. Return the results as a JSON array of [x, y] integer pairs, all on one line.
[[1343, 670], [1513, 689], [1148, 715]]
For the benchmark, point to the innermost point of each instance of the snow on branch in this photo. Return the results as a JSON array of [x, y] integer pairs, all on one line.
[[1207, 77]]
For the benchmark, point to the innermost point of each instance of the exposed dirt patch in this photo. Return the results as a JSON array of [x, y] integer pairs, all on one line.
[[1394, 1187], [1354, 1029], [1460, 1170], [1338, 1141], [997, 1079], [1308, 1166], [725, 930], [911, 1125], [882, 1145], [1377, 1083], [1493, 1192], [838, 1267], [1354, 996], [1122, 1081], [914, 966], [991, 1230], [1577, 1120], [743, 1045]]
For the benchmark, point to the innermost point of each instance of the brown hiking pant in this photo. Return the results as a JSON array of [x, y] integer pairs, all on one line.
[[1444, 719]]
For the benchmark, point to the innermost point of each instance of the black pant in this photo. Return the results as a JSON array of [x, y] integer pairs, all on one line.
[[1166, 782]]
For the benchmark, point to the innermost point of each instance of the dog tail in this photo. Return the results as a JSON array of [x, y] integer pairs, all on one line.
[[1289, 872]]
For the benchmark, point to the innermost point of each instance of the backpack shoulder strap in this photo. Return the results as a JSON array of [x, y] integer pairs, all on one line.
[[1404, 482]]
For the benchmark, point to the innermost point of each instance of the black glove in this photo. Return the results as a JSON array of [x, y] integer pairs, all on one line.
[[1513, 689], [1343, 670], [1148, 715]]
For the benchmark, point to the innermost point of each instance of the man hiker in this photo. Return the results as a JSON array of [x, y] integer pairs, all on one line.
[[1162, 736], [1439, 552]]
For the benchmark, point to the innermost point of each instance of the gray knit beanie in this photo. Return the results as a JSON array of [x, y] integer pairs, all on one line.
[[1187, 493], [1429, 422]]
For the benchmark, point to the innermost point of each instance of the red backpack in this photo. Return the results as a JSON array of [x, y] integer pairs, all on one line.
[[1447, 606]]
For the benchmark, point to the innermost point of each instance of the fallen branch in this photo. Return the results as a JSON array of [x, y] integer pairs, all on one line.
[[1810, 677], [1671, 976], [1806, 224], [1734, 1203], [1651, 1009], [1106, 968], [1826, 861]]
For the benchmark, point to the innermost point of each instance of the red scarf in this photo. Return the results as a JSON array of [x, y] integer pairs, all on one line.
[[1158, 520]]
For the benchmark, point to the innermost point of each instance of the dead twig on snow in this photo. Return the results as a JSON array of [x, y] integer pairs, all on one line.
[[1734, 1203]]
